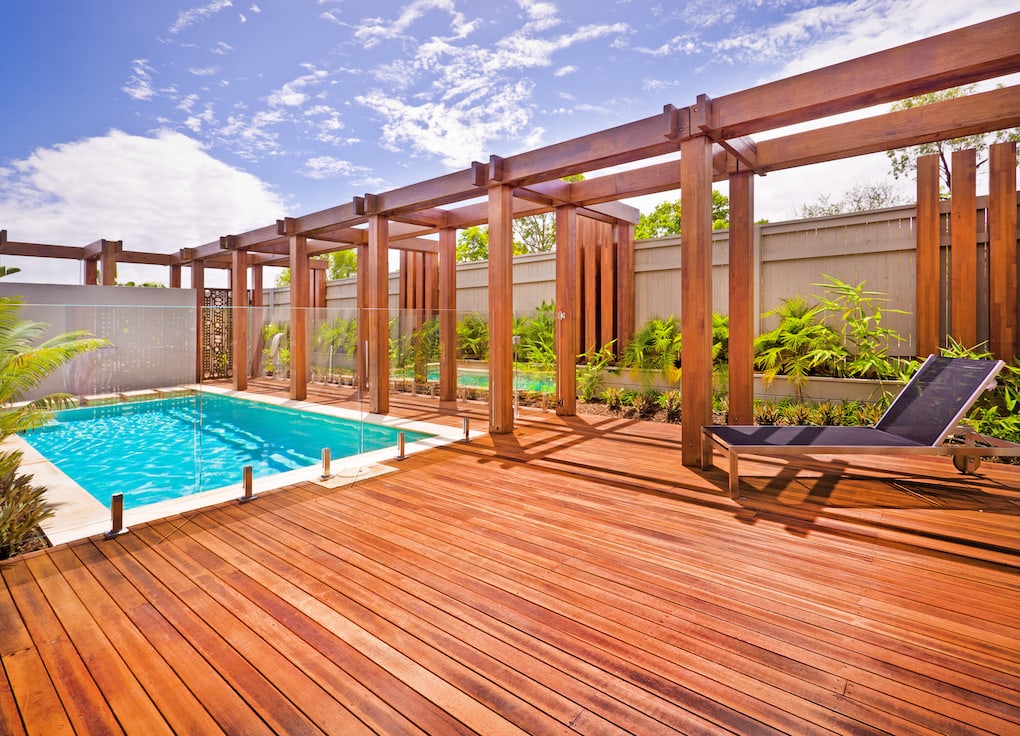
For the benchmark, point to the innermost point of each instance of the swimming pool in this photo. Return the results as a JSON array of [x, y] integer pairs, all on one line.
[[159, 449]]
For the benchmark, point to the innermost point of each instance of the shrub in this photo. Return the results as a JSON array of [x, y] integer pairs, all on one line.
[[645, 404], [589, 378], [613, 399], [22, 506], [670, 402]]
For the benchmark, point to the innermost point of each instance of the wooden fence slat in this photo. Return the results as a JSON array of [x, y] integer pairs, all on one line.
[[963, 253]]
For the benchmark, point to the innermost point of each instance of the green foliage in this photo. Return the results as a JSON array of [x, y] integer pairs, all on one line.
[[283, 350], [997, 412], [473, 244], [796, 346], [22, 506], [343, 264], [589, 378], [804, 343], [903, 161], [864, 349], [644, 404], [612, 398], [669, 401], [26, 361], [336, 335], [655, 347], [720, 338], [666, 218], [473, 338], [537, 335], [424, 348], [535, 234]]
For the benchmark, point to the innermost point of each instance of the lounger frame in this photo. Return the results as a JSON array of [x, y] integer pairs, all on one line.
[[962, 443]]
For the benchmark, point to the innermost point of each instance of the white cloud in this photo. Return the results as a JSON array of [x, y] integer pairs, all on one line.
[[192, 16], [293, 94], [139, 84], [371, 31], [564, 71], [457, 133], [157, 194], [327, 167]]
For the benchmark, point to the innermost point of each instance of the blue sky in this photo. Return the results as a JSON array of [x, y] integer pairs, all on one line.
[[169, 123]]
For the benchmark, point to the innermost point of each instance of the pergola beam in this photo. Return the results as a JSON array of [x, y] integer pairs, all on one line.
[[979, 113], [971, 54]]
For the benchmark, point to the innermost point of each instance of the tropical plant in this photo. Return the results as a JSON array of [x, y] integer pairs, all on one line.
[[996, 412], [613, 399], [537, 335], [655, 347], [424, 348], [797, 345], [23, 506], [335, 335], [766, 412], [473, 337], [644, 403], [26, 360], [589, 378], [864, 341], [670, 402]]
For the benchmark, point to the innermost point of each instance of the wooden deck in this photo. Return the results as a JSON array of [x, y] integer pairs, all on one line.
[[570, 577]]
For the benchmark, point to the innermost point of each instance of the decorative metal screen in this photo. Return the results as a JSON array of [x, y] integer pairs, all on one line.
[[217, 335]]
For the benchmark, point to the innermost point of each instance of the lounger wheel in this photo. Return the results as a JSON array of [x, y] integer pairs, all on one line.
[[967, 464]]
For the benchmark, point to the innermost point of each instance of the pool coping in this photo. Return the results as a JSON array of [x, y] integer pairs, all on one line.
[[79, 515]]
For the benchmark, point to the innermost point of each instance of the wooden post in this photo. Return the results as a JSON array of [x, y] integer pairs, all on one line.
[[742, 288], [198, 284], [91, 272], [256, 320], [447, 314], [928, 257], [175, 275], [607, 273], [696, 294], [361, 376], [501, 310], [589, 246], [963, 249], [566, 310], [624, 235], [299, 296], [378, 315], [239, 317], [1003, 257], [108, 261]]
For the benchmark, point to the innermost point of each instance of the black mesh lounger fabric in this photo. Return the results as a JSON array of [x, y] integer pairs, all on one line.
[[769, 436]]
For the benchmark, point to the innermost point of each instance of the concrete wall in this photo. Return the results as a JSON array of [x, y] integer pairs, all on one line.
[[152, 345]]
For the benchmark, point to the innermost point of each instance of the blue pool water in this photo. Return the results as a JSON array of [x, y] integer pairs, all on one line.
[[166, 448], [523, 380]]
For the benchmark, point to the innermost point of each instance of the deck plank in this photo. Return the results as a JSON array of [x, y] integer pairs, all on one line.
[[568, 577]]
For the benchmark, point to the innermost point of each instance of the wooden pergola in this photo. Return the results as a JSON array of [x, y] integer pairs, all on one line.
[[710, 140]]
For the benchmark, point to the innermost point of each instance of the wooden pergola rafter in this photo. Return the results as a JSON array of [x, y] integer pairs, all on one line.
[[710, 141]]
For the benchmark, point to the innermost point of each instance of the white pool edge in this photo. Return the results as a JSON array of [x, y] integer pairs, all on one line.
[[79, 515]]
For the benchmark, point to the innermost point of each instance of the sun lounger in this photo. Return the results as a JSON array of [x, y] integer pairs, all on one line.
[[922, 420]]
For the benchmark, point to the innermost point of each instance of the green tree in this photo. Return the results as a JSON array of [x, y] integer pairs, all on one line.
[[903, 161], [665, 219], [535, 234], [283, 278], [473, 244], [859, 198], [343, 264]]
